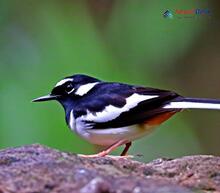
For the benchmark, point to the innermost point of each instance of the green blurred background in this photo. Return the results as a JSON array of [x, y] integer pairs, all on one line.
[[129, 41]]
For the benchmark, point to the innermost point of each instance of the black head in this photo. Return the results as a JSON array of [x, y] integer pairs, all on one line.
[[69, 87]]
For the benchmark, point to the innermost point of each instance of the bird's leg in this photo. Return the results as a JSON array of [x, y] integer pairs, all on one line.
[[108, 150], [127, 146]]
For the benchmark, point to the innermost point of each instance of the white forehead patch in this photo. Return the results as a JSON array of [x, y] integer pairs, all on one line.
[[85, 88], [63, 81]]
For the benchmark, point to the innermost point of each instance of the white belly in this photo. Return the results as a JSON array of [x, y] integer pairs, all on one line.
[[106, 137]]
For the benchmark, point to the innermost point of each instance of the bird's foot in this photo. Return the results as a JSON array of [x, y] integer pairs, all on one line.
[[121, 156], [101, 154], [106, 152]]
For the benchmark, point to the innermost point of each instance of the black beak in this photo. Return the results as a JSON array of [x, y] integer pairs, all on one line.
[[46, 98]]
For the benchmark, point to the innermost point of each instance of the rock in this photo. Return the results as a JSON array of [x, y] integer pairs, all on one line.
[[39, 169]]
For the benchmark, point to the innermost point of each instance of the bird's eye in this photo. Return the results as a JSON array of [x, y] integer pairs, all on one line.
[[69, 87]]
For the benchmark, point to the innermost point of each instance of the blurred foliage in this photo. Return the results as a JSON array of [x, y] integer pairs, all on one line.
[[129, 41]]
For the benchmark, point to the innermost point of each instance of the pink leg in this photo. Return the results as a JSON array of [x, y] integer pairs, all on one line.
[[108, 150]]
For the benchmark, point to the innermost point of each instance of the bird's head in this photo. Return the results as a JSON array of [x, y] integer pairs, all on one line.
[[69, 88]]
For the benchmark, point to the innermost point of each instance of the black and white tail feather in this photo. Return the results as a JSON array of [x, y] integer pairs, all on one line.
[[194, 103]]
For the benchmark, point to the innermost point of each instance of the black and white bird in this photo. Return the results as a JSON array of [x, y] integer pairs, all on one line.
[[112, 114]]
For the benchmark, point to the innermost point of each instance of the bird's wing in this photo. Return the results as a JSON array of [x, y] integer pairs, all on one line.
[[119, 105]]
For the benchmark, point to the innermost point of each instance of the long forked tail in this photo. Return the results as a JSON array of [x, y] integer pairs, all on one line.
[[194, 103]]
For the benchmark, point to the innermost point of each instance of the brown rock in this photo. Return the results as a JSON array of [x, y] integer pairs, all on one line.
[[39, 169]]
